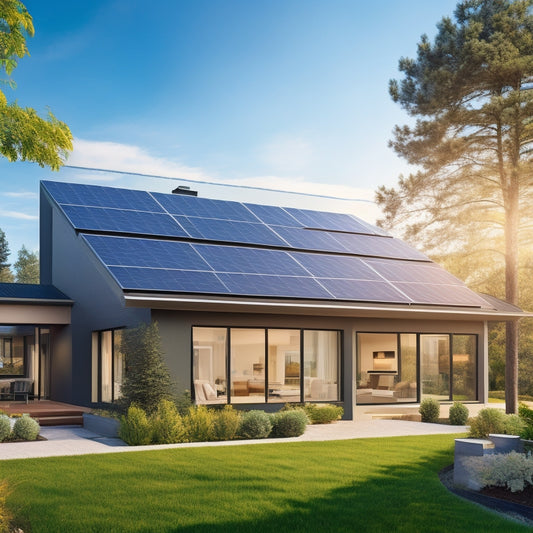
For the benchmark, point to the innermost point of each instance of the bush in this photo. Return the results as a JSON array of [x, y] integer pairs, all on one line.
[[26, 428], [512, 470], [199, 422], [488, 420], [289, 423], [167, 424], [429, 410], [513, 425], [183, 402], [5, 428], [5, 515], [526, 414], [255, 425], [135, 428], [323, 413], [226, 423], [458, 414]]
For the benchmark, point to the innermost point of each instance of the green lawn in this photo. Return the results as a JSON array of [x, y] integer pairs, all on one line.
[[365, 485]]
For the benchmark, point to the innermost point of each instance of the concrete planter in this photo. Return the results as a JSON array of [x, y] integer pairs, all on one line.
[[108, 427]]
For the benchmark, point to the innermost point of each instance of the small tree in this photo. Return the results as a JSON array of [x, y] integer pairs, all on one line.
[[6, 275], [27, 266], [147, 379]]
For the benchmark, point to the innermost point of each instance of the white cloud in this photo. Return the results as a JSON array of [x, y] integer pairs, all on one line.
[[287, 154], [21, 194], [18, 215]]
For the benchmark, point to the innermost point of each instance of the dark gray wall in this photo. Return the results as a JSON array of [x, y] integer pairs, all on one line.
[[70, 265]]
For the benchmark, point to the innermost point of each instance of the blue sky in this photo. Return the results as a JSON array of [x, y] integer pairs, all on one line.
[[286, 94]]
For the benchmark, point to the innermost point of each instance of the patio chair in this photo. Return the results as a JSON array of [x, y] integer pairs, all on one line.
[[21, 387]]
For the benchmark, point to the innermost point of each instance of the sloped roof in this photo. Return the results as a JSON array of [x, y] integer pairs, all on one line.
[[168, 244], [31, 292]]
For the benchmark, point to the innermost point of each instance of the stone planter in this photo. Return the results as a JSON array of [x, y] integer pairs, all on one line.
[[108, 427]]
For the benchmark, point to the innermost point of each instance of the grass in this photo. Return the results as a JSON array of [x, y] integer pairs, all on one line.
[[371, 485]]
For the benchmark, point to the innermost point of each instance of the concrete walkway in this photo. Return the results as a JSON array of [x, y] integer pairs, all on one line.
[[71, 440]]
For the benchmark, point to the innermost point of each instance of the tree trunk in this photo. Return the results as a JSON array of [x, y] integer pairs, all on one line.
[[511, 294]]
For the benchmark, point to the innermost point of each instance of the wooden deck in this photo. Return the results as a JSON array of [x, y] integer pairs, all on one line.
[[48, 413]]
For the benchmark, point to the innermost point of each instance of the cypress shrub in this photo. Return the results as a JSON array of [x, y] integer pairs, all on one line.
[[255, 425], [429, 410], [226, 423], [458, 414], [5, 428], [288, 423], [199, 422], [167, 424]]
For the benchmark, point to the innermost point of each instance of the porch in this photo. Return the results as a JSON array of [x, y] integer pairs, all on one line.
[[47, 412]]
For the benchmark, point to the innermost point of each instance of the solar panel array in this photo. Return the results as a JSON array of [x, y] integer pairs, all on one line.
[[183, 244]]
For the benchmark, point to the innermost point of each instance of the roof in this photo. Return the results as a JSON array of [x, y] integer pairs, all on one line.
[[29, 292], [159, 246]]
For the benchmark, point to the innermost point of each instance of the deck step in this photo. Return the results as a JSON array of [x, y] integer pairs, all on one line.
[[59, 420]]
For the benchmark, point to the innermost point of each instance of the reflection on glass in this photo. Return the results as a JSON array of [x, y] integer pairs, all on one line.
[[209, 365], [106, 361], [321, 365], [14, 340], [119, 365], [464, 367], [435, 366], [247, 365], [283, 365]]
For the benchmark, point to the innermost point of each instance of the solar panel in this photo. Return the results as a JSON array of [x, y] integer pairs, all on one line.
[[363, 290], [192, 206], [328, 221], [273, 286], [410, 271], [249, 260], [123, 221], [456, 295], [185, 281], [329, 266], [230, 231], [97, 196], [304, 239], [270, 214], [124, 251]]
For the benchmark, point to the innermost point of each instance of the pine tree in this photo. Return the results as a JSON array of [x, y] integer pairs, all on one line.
[[471, 91], [27, 266], [147, 379], [6, 276]]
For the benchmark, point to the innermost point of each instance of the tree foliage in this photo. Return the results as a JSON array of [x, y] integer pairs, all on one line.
[[147, 379], [471, 91], [27, 266], [24, 135], [6, 275]]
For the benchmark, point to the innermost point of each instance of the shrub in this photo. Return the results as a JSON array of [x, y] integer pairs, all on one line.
[[289, 423], [429, 410], [458, 414], [488, 420], [5, 515], [183, 402], [167, 424], [526, 414], [199, 422], [323, 413], [147, 379], [26, 428], [513, 425], [255, 425], [512, 470], [5, 427], [135, 428], [226, 423]]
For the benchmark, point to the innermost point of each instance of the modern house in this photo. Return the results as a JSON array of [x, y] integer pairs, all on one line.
[[256, 305]]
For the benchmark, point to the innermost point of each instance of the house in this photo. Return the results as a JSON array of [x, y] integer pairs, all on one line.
[[256, 305]]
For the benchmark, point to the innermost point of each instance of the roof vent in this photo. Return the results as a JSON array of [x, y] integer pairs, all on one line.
[[183, 189]]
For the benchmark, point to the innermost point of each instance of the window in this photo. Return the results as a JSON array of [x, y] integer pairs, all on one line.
[[258, 365], [387, 367], [16, 345], [108, 366]]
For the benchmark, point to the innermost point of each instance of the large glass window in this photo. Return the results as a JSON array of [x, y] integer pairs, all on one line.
[[464, 382], [321, 365], [210, 364], [108, 366], [248, 365], [435, 366], [284, 362], [14, 343], [265, 365]]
